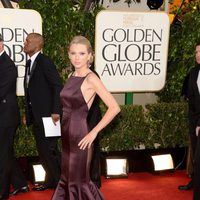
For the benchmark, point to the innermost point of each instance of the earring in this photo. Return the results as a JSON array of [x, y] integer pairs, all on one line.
[[88, 64]]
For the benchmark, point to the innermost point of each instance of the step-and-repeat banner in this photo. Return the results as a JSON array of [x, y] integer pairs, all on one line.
[[15, 25], [131, 50]]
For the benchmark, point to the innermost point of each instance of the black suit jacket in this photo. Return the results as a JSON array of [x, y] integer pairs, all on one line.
[[42, 95], [9, 111], [194, 97]]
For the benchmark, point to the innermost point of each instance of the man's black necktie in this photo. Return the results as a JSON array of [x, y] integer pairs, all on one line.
[[28, 66]]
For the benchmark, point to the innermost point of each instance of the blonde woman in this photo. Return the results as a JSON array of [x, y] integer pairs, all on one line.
[[77, 140]]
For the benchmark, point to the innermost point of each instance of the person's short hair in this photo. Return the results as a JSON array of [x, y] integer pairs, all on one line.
[[1, 38]]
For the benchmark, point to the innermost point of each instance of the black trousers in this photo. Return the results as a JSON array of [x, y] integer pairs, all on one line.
[[6, 146], [10, 172], [49, 154], [18, 179], [195, 144], [196, 177]]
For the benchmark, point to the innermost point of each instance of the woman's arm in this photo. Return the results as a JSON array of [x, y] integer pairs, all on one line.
[[113, 109]]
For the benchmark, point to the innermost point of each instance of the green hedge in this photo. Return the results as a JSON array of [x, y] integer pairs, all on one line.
[[168, 124], [128, 130], [24, 142], [161, 123]]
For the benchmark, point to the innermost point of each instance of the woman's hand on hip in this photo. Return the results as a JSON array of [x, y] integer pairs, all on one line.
[[87, 140]]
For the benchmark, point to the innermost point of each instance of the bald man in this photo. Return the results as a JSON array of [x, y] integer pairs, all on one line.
[[42, 86]]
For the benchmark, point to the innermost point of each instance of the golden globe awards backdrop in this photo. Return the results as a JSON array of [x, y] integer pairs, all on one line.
[[131, 50], [15, 25]]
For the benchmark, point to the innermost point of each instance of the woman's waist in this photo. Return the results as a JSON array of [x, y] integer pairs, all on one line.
[[74, 115]]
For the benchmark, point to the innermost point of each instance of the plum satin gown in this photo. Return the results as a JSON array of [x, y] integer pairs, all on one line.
[[75, 182]]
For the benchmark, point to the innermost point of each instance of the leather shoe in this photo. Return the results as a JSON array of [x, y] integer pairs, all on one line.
[[189, 186], [40, 188], [19, 190]]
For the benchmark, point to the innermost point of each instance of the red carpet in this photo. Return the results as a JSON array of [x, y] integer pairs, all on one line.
[[138, 186]]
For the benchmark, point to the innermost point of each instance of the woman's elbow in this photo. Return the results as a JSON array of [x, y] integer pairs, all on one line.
[[117, 109]]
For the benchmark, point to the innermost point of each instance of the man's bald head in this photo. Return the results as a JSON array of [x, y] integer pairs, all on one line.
[[38, 38], [34, 43]]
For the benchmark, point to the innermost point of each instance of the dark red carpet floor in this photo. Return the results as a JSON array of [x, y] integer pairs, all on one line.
[[138, 186]]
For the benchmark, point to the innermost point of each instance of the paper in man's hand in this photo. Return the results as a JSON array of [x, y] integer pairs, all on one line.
[[50, 129]]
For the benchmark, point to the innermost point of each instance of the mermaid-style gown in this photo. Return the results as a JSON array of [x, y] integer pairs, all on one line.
[[75, 183]]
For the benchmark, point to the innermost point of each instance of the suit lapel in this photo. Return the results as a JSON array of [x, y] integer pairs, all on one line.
[[34, 65], [195, 78]]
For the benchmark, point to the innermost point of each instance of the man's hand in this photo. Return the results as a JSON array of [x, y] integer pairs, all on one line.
[[55, 118], [197, 130]]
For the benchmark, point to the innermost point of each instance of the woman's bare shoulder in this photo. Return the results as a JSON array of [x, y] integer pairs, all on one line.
[[92, 77]]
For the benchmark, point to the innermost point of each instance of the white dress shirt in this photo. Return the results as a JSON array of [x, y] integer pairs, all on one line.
[[33, 57]]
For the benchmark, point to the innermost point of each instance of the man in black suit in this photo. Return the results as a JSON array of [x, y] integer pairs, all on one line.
[[194, 122], [184, 94], [9, 121], [42, 86]]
